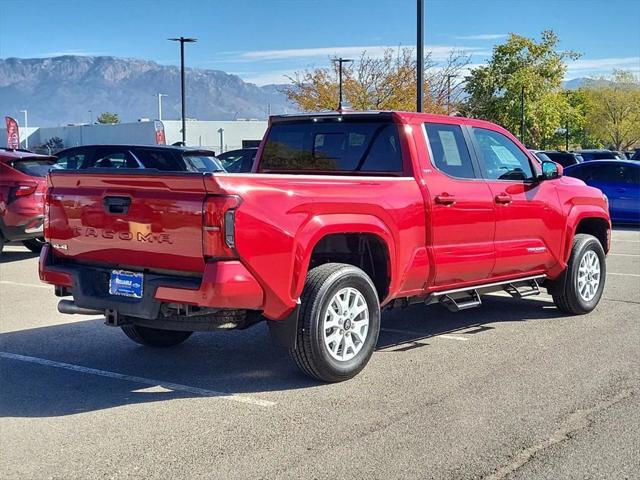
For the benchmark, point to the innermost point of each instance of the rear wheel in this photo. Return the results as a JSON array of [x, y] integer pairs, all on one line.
[[155, 337], [579, 290], [339, 322], [34, 244]]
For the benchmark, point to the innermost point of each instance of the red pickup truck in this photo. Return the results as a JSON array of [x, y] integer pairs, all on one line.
[[344, 213]]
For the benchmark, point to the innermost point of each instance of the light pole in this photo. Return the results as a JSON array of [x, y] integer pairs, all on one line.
[[522, 116], [182, 41], [449, 77], [340, 61], [160, 95], [221, 132], [420, 53], [90, 117], [26, 129]]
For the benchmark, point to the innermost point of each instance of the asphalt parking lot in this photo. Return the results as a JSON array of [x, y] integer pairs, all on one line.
[[510, 390]]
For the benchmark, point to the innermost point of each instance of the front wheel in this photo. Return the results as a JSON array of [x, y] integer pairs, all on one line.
[[34, 244], [339, 322], [155, 337], [580, 288]]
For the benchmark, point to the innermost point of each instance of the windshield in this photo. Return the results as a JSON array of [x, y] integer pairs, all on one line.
[[204, 163], [35, 167], [342, 146]]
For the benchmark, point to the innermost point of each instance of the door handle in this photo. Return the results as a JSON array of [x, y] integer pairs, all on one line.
[[445, 199], [503, 198]]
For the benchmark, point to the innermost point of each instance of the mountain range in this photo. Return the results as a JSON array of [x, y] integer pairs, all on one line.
[[62, 90], [76, 89]]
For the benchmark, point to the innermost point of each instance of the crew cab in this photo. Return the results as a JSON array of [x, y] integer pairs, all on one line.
[[343, 214]]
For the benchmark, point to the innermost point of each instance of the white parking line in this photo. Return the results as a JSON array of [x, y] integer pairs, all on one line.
[[449, 337], [144, 381], [624, 254], [624, 274], [9, 282]]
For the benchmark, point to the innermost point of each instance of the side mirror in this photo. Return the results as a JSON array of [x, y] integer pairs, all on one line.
[[550, 170]]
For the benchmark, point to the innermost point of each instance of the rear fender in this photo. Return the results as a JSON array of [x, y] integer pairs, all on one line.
[[322, 225]]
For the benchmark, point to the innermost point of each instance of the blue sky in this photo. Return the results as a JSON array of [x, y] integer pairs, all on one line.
[[262, 41]]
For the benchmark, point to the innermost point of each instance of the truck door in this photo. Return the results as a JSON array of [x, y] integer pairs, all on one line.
[[461, 205], [529, 221]]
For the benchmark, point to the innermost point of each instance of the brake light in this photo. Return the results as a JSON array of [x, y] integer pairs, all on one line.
[[218, 234], [47, 208]]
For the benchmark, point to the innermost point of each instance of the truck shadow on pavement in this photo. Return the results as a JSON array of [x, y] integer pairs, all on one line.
[[16, 256], [242, 362]]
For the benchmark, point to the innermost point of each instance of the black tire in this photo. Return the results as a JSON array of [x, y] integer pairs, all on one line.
[[565, 291], [34, 244], [155, 337], [311, 353]]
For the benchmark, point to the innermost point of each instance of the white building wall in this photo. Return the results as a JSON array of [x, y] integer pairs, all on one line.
[[199, 134], [206, 133]]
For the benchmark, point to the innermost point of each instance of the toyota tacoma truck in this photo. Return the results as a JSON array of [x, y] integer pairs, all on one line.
[[343, 214]]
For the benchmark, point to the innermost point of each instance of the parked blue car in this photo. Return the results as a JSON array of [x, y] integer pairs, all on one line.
[[619, 180]]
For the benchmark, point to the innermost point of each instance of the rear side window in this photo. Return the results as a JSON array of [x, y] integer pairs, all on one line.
[[203, 163], [108, 158], [501, 158], [72, 160], [160, 160], [34, 167], [619, 174], [449, 150], [333, 146]]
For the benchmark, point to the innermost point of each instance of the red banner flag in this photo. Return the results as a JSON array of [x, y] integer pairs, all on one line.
[[160, 138], [13, 133]]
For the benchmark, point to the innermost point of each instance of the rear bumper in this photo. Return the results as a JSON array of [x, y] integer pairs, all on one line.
[[25, 230], [224, 285]]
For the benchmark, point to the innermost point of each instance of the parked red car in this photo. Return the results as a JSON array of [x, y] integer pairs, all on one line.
[[22, 189], [344, 214]]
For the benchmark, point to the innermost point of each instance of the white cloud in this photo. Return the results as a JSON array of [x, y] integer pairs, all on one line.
[[482, 36], [438, 52], [62, 53], [267, 78], [584, 65]]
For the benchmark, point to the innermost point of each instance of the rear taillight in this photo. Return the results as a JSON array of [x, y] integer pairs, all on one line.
[[219, 224], [22, 190], [47, 197]]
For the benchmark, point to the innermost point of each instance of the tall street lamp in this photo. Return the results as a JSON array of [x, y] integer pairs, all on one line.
[[420, 53], [182, 41], [160, 95], [340, 61], [26, 129]]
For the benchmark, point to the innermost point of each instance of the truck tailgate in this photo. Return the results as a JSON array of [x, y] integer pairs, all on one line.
[[132, 220]]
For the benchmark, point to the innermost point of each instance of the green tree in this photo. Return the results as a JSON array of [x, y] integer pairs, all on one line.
[[387, 82], [523, 67], [613, 110], [108, 117]]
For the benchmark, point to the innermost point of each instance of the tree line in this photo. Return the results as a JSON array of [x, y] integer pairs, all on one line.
[[519, 87]]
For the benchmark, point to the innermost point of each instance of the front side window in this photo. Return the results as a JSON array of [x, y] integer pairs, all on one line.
[[334, 146], [501, 158], [449, 151]]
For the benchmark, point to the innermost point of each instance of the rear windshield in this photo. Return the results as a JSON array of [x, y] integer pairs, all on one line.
[[333, 146], [34, 167]]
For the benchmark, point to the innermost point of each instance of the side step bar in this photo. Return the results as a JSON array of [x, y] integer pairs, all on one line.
[[464, 298]]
